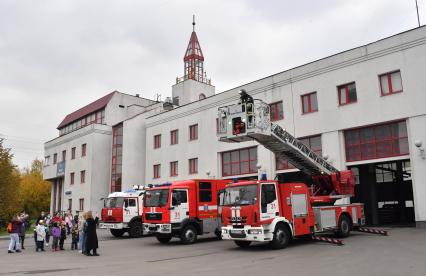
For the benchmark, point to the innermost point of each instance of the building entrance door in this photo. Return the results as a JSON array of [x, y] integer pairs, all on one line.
[[386, 190]]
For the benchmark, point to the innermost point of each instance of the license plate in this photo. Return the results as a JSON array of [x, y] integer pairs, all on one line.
[[237, 231], [108, 226]]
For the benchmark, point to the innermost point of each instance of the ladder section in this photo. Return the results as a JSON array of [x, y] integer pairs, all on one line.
[[299, 153], [250, 120]]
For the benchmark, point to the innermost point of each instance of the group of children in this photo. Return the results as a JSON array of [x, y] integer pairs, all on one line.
[[81, 228], [58, 229]]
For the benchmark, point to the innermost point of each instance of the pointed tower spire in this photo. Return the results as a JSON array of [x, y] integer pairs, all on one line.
[[194, 85], [193, 22], [194, 59]]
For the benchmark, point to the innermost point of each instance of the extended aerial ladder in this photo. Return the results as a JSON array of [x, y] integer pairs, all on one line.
[[250, 120]]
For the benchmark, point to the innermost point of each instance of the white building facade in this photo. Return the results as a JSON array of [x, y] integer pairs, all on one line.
[[78, 162], [363, 109]]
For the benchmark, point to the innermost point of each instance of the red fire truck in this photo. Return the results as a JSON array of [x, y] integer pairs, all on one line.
[[268, 211], [183, 209], [122, 212]]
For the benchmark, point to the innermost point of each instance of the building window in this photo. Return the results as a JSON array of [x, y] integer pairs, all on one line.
[[81, 204], [157, 141], [390, 83], [83, 150], [55, 158], [82, 177], [174, 168], [73, 153], [237, 162], [193, 166], [174, 137], [193, 132], [379, 141], [157, 171], [117, 158], [309, 103], [70, 204], [72, 178], [312, 142], [347, 93], [97, 117], [46, 160], [64, 155], [277, 112]]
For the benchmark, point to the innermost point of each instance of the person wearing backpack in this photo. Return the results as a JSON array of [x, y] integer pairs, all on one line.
[[14, 229]]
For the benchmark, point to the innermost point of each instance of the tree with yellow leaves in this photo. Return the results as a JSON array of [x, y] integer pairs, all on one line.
[[34, 192], [9, 186]]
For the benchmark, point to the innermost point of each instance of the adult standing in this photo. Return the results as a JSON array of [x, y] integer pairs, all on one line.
[[24, 226], [68, 221], [91, 236], [14, 235], [41, 217], [82, 234]]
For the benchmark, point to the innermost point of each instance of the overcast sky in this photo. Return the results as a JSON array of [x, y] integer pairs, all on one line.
[[57, 56]]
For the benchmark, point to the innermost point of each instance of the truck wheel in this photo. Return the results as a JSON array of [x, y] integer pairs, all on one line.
[[281, 237], [188, 235], [136, 229], [243, 244], [163, 238], [344, 227], [117, 232]]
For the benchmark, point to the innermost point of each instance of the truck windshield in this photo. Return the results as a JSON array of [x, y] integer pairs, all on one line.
[[156, 198], [241, 195], [114, 202]]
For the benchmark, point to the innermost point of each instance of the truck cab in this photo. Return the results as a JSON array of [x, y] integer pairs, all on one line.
[[122, 212], [183, 209]]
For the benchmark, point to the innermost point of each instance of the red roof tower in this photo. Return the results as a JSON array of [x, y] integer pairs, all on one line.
[[194, 59]]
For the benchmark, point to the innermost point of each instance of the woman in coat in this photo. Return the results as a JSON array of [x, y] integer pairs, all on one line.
[[91, 237]]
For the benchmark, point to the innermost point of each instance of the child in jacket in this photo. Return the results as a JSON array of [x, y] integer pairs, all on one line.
[[56, 234], [63, 236], [41, 235]]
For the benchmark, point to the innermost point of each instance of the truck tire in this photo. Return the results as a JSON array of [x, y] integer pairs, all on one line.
[[344, 226], [188, 235], [136, 229], [117, 232], [163, 238], [281, 237], [243, 244]]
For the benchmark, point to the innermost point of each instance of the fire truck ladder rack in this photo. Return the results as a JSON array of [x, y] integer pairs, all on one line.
[[287, 147], [250, 120]]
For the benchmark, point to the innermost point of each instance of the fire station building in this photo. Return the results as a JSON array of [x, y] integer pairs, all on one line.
[[362, 109]]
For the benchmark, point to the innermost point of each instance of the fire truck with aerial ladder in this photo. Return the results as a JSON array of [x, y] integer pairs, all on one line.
[[122, 212], [183, 209], [273, 212]]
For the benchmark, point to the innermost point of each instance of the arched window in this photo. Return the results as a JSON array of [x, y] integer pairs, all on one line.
[[201, 96]]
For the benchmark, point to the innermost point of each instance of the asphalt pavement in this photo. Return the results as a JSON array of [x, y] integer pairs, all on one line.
[[403, 252]]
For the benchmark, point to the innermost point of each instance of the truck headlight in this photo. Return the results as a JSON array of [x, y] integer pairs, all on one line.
[[255, 231]]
